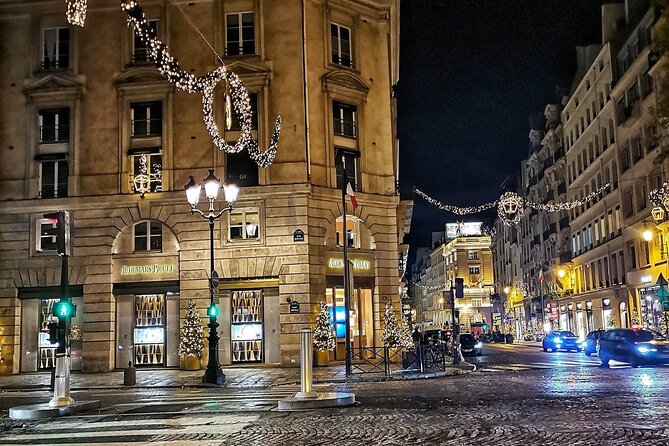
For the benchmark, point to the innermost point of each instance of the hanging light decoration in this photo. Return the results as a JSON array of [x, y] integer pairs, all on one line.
[[76, 12], [454, 209], [205, 85], [567, 205], [660, 196], [142, 181], [510, 208]]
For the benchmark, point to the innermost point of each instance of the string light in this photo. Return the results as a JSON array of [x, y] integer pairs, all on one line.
[[455, 209], [205, 85], [510, 208], [660, 196], [567, 205], [76, 12]]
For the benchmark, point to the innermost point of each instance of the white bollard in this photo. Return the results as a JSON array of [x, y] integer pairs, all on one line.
[[306, 365], [61, 385]]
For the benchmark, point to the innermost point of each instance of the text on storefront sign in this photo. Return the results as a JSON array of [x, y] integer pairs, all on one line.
[[357, 264], [146, 269]]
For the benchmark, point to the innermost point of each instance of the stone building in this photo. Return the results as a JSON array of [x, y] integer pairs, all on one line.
[[83, 111]]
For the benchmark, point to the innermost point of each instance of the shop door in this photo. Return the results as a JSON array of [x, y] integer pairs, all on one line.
[[361, 318], [149, 331], [246, 327], [47, 351]]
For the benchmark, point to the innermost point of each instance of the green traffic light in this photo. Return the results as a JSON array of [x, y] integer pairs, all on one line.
[[212, 311], [64, 309]]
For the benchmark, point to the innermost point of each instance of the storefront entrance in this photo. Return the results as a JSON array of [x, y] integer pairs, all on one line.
[[361, 318], [246, 329]]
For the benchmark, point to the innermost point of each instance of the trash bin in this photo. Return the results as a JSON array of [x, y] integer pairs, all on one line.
[[509, 338], [130, 375]]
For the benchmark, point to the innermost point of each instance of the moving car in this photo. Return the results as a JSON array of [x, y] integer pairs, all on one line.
[[634, 346], [589, 345], [561, 340], [470, 345]]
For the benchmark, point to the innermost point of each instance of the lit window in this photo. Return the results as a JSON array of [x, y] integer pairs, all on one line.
[[240, 34], [352, 232], [56, 48], [54, 125], [148, 236], [140, 53], [146, 119], [53, 175], [474, 270], [344, 119], [477, 302], [341, 45], [147, 170], [473, 255], [47, 231], [244, 224]]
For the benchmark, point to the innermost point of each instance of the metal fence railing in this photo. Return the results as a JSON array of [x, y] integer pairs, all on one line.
[[388, 361]]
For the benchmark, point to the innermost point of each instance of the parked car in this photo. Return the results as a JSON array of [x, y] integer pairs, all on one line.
[[561, 340], [634, 346], [589, 345], [470, 345]]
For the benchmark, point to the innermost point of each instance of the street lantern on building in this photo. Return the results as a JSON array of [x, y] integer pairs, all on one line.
[[212, 186]]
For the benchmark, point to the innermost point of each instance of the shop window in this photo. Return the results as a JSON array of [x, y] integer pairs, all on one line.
[[140, 53], [341, 45], [53, 175], [352, 232], [148, 236], [240, 34], [54, 125], [244, 224], [344, 119], [55, 48], [47, 350], [149, 332], [246, 329], [47, 235], [146, 119], [351, 163], [147, 170]]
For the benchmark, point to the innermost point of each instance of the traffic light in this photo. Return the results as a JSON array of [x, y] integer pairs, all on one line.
[[62, 230], [484, 327], [212, 311], [53, 332], [459, 287], [64, 309]]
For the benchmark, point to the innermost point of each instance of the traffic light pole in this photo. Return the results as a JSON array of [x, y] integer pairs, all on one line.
[[213, 373], [61, 388], [455, 335]]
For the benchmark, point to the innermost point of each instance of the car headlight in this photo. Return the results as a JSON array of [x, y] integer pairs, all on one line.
[[583, 344], [558, 341], [644, 349], [478, 345]]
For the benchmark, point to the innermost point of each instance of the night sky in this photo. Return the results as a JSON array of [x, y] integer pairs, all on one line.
[[471, 74]]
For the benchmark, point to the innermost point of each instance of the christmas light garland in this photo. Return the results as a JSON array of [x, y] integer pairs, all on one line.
[[76, 12], [168, 66], [660, 196], [510, 205]]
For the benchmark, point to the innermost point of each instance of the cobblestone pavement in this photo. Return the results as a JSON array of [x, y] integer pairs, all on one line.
[[560, 406]]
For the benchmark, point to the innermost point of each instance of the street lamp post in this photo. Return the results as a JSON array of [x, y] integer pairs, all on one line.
[[213, 374]]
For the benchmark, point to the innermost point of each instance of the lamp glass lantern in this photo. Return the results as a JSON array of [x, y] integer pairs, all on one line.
[[192, 191], [231, 191], [211, 185], [657, 213]]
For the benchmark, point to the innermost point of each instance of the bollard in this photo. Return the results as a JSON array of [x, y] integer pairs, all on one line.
[[130, 375], [61, 385], [306, 365]]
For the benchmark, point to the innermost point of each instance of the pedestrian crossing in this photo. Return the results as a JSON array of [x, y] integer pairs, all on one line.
[[557, 364], [186, 417]]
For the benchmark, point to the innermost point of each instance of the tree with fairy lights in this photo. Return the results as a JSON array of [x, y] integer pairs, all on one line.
[[324, 337], [392, 336], [191, 342], [406, 340]]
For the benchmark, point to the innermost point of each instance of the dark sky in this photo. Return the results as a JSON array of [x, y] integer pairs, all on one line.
[[471, 74]]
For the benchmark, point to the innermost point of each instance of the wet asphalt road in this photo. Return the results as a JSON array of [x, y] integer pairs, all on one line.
[[519, 396]]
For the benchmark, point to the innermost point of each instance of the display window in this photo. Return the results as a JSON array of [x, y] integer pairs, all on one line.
[[246, 327], [361, 318], [149, 331]]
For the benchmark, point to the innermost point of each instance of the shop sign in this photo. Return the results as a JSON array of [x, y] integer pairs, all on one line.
[[646, 279], [146, 269], [149, 269], [362, 264], [496, 317], [298, 235], [294, 307], [357, 263]]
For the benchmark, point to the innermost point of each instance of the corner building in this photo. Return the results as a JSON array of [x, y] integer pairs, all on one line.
[[83, 113]]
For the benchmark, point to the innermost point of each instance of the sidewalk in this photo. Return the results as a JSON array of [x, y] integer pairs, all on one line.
[[237, 377]]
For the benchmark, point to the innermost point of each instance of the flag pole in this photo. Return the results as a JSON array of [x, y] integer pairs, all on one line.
[[347, 279]]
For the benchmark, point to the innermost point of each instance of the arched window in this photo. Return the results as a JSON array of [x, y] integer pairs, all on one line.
[[352, 232], [148, 236]]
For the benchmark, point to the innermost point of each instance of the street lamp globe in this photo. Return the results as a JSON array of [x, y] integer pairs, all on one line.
[[648, 234], [561, 273], [211, 185], [231, 191], [192, 191], [506, 290]]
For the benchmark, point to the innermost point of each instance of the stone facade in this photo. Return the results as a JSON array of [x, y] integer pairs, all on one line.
[[101, 83]]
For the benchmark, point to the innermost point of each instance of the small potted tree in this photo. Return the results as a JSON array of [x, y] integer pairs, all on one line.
[[324, 337], [191, 342]]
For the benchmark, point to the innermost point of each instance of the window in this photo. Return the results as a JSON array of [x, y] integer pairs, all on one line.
[[147, 162], [641, 197], [148, 236], [477, 302], [632, 94], [54, 125], [351, 160], [475, 269], [352, 232], [628, 208], [56, 48], [637, 154], [473, 255], [146, 119], [645, 247], [344, 119], [241, 169], [240, 34], [53, 175], [47, 235], [631, 251], [244, 224], [624, 158], [646, 83], [140, 53], [236, 118], [341, 45]]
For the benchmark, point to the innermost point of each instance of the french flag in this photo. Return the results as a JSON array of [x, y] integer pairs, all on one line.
[[349, 192]]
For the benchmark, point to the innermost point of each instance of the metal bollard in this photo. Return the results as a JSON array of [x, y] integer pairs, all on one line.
[[130, 375], [306, 365]]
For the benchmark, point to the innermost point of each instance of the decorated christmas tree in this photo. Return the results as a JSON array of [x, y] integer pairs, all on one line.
[[324, 337], [635, 318], [191, 333], [392, 336], [405, 332]]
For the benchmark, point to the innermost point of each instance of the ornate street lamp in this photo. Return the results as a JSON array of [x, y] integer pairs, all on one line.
[[213, 373]]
